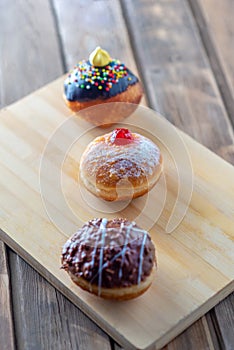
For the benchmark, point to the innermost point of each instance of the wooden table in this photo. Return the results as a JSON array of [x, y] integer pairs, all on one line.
[[183, 52]]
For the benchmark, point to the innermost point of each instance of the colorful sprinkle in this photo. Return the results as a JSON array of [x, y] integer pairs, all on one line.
[[94, 77]]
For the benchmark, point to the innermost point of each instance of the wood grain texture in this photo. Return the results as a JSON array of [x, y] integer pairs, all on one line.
[[215, 22], [29, 48], [6, 324], [177, 75], [32, 59], [102, 25], [54, 323], [195, 260], [222, 317], [195, 337]]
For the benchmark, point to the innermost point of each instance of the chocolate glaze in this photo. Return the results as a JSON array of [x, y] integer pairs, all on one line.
[[86, 82], [115, 254]]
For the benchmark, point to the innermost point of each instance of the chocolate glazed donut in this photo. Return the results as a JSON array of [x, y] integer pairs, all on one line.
[[114, 259], [97, 81]]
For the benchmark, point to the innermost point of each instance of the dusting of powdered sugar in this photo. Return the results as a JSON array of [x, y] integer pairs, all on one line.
[[140, 155]]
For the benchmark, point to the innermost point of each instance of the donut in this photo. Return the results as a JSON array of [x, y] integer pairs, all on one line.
[[113, 259], [100, 80], [120, 165]]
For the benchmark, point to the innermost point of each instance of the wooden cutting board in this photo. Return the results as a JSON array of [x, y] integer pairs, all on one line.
[[42, 204]]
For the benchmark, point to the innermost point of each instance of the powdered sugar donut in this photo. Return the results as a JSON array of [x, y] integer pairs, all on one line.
[[120, 165]]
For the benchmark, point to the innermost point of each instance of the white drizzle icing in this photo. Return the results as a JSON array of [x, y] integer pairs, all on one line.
[[141, 257], [106, 265], [103, 230], [112, 260], [124, 247], [94, 250]]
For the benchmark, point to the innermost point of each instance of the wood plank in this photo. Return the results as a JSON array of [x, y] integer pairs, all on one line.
[[222, 318], [189, 279], [53, 321], [195, 337], [6, 324], [21, 72], [177, 76], [102, 14], [102, 24], [215, 22], [32, 58]]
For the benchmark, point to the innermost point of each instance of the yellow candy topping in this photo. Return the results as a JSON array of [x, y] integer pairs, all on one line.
[[99, 57]]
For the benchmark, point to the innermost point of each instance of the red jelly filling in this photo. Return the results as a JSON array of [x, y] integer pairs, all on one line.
[[121, 136]]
